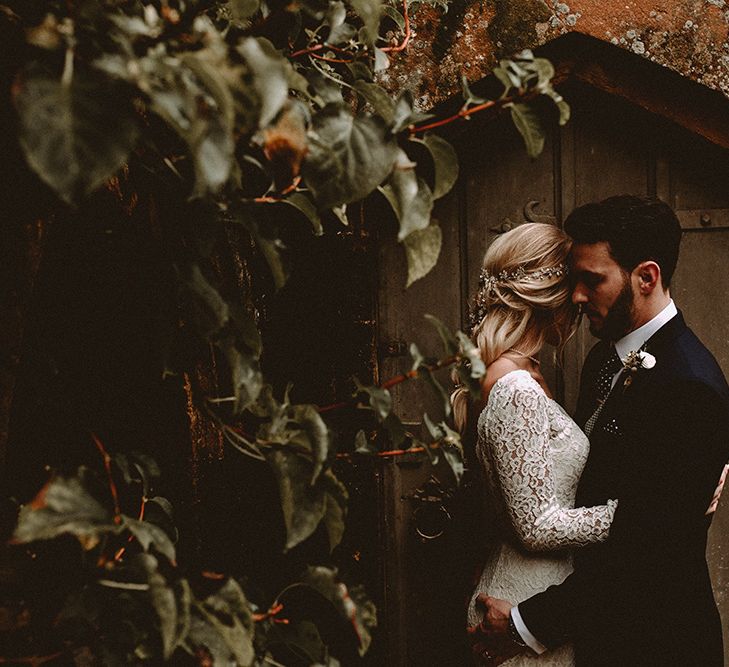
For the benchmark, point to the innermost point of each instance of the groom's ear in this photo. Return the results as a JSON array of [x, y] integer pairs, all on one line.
[[648, 276]]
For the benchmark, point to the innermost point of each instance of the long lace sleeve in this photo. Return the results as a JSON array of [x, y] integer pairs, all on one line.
[[515, 444]]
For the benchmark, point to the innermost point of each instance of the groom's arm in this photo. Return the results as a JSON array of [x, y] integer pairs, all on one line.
[[672, 467]]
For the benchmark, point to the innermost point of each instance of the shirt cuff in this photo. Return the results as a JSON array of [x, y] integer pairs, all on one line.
[[529, 639]]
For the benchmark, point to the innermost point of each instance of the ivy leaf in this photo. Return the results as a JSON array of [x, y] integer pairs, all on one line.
[[472, 354], [209, 310], [149, 535], [377, 98], [426, 374], [246, 373], [74, 135], [445, 162], [363, 445], [315, 434], [352, 603], [450, 443], [369, 11], [339, 31], [303, 203], [164, 601], [335, 498], [243, 9], [396, 16], [409, 196], [417, 356], [422, 248], [450, 344], [304, 505], [63, 506], [382, 62], [223, 624], [468, 94], [380, 400], [269, 76], [562, 107], [528, 123], [395, 430], [301, 638], [348, 156]]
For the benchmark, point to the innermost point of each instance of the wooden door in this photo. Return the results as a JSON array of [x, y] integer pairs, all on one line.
[[609, 147]]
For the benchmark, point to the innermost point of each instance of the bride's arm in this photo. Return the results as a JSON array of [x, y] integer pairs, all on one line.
[[518, 450]]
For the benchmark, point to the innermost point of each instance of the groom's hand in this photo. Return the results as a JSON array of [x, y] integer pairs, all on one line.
[[496, 615], [491, 642]]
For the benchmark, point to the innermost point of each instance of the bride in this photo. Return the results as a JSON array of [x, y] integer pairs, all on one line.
[[531, 450]]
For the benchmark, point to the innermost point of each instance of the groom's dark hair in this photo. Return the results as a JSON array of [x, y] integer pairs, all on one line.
[[637, 229]]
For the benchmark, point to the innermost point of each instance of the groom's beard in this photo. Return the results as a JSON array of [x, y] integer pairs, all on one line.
[[619, 319]]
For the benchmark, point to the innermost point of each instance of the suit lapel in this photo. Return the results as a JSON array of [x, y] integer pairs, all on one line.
[[619, 398]]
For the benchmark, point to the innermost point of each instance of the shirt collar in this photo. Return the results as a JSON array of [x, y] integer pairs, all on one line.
[[634, 340]]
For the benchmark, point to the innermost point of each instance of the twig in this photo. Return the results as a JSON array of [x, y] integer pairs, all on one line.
[[110, 477], [408, 32], [276, 609], [466, 112], [124, 585]]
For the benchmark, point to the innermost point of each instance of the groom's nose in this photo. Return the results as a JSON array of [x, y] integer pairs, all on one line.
[[579, 294]]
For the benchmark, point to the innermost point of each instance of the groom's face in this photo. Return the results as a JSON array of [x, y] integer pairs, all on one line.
[[603, 289]]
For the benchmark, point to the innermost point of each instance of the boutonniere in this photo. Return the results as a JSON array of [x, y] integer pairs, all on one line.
[[634, 362]]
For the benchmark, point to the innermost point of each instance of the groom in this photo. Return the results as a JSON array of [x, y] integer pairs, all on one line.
[[656, 407]]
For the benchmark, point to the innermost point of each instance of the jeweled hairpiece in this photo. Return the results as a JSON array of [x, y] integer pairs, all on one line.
[[489, 282]]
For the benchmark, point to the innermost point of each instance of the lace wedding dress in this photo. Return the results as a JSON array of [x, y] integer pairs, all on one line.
[[533, 455]]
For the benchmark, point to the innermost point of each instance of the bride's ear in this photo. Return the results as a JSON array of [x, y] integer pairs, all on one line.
[[647, 275]]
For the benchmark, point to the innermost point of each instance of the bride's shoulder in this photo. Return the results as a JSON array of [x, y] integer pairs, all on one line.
[[504, 372]]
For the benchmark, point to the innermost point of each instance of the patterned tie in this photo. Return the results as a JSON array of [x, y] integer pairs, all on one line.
[[610, 366]]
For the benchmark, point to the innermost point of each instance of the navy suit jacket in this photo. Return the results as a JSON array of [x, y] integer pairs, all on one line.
[[644, 597]]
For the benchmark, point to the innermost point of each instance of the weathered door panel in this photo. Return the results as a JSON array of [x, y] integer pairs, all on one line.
[[609, 147]]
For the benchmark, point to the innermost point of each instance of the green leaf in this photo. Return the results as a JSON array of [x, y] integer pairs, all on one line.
[[472, 354], [425, 374], [150, 535], [303, 203], [380, 400], [417, 356], [422, 248], [339, 31], [243, 9], [223, 624], [409, 196], [377, 97], [396, 16], [315, 434], [450, 443], [303, 505], [363, 445], [209, 310], [528, 123], [301, 638], [450, 344], [395, 430], [270, 79], [63, 507], [382, 62], [74, 135], [335, 498], [352, 603], [369, 11], [445, 162], [246, 373], [348, 156], [468, 94], [164, 601]]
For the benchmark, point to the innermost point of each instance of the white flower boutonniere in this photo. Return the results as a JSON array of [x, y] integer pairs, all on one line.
[[634, 362]]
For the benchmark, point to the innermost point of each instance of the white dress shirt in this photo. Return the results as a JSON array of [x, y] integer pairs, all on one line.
[[631, 342]]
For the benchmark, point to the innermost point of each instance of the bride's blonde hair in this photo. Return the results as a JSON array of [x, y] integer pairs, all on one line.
[[523, 293]]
